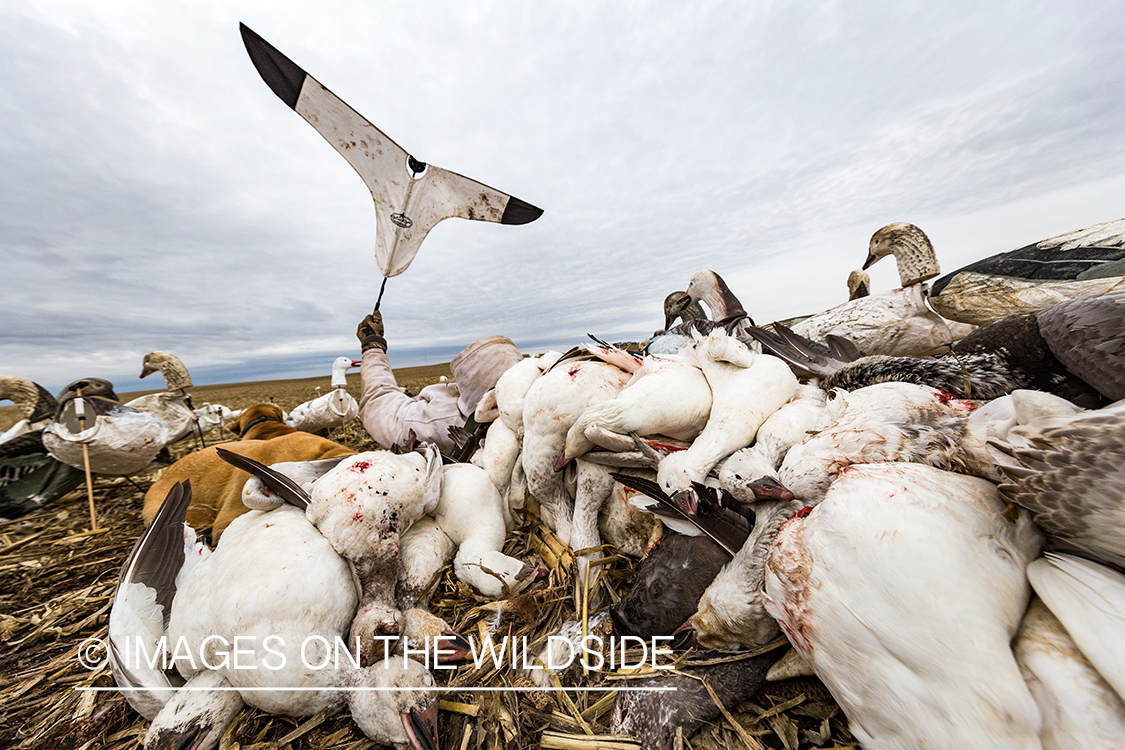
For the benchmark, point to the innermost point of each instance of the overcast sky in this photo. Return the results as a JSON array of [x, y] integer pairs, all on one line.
[[158, 195]]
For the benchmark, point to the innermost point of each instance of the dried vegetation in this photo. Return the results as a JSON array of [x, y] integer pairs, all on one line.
[[56, 587]]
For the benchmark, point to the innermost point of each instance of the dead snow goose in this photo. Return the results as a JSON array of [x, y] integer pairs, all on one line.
[[554, 402], [1080, 709], [1089, 600], [902, 591], [272, 575], [746, 388], [1067, 470]]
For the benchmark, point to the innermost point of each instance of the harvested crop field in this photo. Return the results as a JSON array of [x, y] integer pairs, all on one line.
[[57, 581]]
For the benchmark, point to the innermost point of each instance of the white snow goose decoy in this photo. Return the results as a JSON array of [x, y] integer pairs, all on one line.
[[333, 408], [903, 591], [410, 196], [1076, 264], [172, 406], [276, 585], [896, 323]]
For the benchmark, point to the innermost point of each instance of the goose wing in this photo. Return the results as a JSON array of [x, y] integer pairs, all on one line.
[[142, 604], [289, 490], [1087, 335]]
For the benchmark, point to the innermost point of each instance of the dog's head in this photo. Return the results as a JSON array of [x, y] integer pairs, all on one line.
[[259, 422]]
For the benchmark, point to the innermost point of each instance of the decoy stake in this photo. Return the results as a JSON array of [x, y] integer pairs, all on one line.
[[86, 462]]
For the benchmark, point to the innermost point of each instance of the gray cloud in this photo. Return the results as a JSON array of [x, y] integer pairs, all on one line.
[[157, 195]]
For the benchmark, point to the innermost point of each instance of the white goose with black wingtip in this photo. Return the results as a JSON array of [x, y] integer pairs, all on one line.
[[410, 196], [273, 574]]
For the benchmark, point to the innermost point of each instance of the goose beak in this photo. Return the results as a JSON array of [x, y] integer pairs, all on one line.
[[683, 637], [454, 650], [356, 363], [188, 739], [421, 728], [687, 500], [147, 370], [871, 258], [768, 488], [562, 462]]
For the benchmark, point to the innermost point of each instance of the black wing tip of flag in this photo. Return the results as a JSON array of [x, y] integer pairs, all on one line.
[[520, 212], [280, 73]]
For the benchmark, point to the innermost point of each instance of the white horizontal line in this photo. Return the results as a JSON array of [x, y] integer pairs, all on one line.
[[381, 689]]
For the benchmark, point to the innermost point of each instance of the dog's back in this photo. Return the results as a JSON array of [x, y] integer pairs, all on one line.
[[217, 486]]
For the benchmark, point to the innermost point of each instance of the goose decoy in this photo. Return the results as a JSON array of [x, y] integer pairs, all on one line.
[[275, 576], [1067, 470], [1074, 349], [896, 323], [331, 409], [902, 591], [859, 284], [119, 439], [1085, 262], [1079, 708], [172, 406], [29, 475], [410, 196], [708, 287]]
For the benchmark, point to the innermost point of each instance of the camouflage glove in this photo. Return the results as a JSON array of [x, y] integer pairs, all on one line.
[[370, 332]]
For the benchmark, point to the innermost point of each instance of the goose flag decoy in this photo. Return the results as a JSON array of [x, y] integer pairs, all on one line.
[[410, 196]]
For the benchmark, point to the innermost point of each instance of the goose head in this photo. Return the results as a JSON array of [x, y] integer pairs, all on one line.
[[194, 719], [33, 401], [679, 305], [90, 387], [340, 368], [911, 248], [391, 709], [709, 288], [859, 284], [175, 374]]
